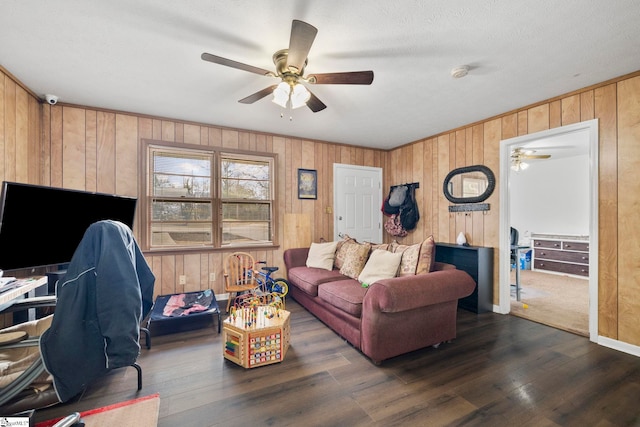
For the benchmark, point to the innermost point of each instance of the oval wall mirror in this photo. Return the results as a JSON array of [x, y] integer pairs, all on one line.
[[469, 184]]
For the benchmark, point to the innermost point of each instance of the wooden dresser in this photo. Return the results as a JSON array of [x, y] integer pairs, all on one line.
[[557, 253]]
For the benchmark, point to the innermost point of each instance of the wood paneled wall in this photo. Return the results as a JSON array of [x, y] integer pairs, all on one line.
[[616, 105], [91, 149], [83, 148]]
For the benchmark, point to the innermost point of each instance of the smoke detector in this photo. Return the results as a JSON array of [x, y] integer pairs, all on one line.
[[460, 71]]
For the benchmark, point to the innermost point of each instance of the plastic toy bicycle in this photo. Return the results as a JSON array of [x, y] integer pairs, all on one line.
[[269, 284]]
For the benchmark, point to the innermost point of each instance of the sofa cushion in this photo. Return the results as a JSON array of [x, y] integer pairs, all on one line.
[[308, 278], [346, 295], [381, 264], [356, 255], [427, 258], [321, 255]]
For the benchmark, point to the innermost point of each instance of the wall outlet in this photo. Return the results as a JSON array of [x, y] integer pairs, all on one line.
[[183, 280], [212, 277]]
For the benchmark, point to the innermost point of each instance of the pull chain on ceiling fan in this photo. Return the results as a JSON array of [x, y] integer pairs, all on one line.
[[290, 64]]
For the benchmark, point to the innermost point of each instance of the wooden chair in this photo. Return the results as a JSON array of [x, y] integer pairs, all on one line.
[[238, 275]]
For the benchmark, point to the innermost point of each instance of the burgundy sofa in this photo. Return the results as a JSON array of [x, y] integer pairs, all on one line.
[[390, 317]]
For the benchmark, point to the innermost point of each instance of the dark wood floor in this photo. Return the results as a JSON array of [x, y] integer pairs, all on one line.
[[501, 371]]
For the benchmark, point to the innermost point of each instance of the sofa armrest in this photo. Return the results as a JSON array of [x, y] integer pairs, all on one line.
[[410, 292], [295, 257]]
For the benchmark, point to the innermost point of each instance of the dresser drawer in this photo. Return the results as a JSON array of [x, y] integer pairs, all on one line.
[[554, 244], [575, 246], [560, 267], [550, 254]]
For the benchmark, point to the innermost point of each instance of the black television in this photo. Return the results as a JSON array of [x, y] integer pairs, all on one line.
[[42, 226]]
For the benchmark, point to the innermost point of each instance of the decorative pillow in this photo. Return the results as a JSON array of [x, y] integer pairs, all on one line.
[[393, 245], [355, 257], [340, 253], [382, 264], [381, 246], [321, 255], [410, 255], [427, 257]]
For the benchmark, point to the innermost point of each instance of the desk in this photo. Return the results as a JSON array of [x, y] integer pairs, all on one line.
[[25, 286], [517, 248]]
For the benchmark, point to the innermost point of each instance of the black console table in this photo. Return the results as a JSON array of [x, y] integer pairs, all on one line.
[[478, 262]]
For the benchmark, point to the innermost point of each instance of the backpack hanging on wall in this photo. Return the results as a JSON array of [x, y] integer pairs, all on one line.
[[403, 217], [394, 201], [409, 213]]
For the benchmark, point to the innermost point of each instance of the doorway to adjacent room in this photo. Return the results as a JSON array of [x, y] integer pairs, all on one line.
[[587, 134]]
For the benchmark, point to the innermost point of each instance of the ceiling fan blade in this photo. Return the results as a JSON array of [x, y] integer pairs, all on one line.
[[235, 64], [302, 36], [258, 95], [348, 78], [315, 104], [535, 156]]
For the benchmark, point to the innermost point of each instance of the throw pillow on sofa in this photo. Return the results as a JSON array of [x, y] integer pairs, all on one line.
[[355, 257], [321, 255], [340, 252], [382, 264], [410, 255], [427, 258]]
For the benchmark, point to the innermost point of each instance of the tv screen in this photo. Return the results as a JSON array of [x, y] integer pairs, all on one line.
[[42, 226]]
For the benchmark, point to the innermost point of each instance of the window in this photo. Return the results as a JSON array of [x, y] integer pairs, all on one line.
[[199, 198]]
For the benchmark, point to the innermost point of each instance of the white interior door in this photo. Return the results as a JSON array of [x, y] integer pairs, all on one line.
[[357, 199]]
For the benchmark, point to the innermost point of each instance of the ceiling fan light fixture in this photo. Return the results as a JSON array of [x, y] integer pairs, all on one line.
[[281, 94], [518, 165], [299, 96]]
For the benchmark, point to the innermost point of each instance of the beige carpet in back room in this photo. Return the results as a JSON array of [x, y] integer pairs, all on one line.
[[551, 299]]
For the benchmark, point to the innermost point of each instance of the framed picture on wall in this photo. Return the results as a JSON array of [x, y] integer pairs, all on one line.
[[307, 184]]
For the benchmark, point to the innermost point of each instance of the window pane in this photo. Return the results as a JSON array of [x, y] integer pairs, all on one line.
[[245, 232], [181, 163], [181, 211], [246, 179], [246, 211], [181, 175], [246, 223], [182, 234]]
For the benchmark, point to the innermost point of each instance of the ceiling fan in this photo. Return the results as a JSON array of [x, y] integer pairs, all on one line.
[[290, 64], [519, 154]]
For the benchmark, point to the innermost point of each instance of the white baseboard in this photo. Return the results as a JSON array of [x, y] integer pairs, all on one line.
[[619, 345]]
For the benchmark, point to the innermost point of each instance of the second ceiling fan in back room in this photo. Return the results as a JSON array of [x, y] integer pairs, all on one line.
[[290, 64], [518, 155]]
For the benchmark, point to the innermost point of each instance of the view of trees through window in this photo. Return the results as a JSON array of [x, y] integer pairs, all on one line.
[[183, 195], [246, 200]]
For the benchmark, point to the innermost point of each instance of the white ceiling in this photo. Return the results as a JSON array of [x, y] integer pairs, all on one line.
[[143, 56]]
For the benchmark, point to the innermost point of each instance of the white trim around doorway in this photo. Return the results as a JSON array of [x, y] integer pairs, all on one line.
[[591, 126]]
